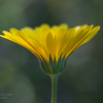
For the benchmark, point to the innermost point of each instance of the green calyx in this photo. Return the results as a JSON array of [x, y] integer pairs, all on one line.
[[53, 66]]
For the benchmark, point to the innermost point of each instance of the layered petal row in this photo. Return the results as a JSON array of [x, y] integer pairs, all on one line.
[[56, 41]]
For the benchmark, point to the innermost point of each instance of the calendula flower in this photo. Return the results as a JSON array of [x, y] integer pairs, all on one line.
[[52, 45]]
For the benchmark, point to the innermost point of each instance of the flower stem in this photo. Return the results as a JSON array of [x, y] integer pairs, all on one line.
[[54, 80]]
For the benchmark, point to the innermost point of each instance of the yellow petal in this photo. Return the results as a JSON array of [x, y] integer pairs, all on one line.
[[34, 44], [55, 28], [67, 37], [20, 41], [13, 30], [64, 26], [27, 31], [77, 40], [50, 44], [92, 34], [79, 29]]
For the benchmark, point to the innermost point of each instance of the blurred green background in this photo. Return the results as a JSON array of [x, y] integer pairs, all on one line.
[[21, 78]]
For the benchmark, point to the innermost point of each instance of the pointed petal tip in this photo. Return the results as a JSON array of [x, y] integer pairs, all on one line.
[[98, 27], [92, 25], [64, 25], [4, 31], [45, 25], [13, 29], [1, 35]]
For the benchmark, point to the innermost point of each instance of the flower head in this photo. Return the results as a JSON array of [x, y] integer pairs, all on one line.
[[52, 45]]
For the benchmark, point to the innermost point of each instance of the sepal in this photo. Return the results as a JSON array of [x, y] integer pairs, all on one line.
[[53, 66]]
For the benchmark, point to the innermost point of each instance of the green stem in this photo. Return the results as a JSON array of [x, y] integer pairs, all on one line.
[[54, 80]]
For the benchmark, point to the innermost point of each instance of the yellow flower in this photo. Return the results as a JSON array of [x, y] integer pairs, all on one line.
[[52, 44]]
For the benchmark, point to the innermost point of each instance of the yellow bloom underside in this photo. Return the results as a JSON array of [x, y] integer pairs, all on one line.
[[44, 41]]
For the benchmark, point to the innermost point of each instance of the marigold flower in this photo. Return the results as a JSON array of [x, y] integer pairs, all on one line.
[[52, 45]]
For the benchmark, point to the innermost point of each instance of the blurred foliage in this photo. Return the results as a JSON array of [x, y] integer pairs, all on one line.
[[20, 73]]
